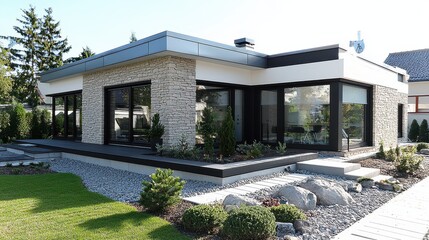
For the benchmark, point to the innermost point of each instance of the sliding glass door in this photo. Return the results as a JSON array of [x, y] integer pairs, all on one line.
[[67, 116]]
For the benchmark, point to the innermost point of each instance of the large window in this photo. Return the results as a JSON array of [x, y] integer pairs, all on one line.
[[218, 99], [67, 116], [129, 114], [354, 115], [306, 115], [269, 116], [418, 104]]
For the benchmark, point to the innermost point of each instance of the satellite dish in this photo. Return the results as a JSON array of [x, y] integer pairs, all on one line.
[[358, 45]]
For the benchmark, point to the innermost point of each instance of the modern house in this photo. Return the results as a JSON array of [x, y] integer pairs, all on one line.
[[322, 98], [416, 63]]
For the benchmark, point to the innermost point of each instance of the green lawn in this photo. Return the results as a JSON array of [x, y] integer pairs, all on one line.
[[58, 206]]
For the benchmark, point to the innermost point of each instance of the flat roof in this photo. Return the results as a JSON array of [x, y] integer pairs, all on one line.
[[166, 41]]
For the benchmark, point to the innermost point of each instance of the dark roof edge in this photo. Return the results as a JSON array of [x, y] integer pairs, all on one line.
[[307, 50]]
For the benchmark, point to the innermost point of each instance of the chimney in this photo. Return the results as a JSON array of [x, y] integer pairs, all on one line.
[[246, 43]]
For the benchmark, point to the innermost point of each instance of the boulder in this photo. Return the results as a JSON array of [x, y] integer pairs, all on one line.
[[354, 187], [424, 151], [302, 226], [236, 200], [367, 183], [284, 229], [298, 196], [328, 193]]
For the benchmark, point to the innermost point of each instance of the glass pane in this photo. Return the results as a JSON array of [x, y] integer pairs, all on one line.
[[354, 94], [70, 115], [141, 113], [238, 115], [307, 115], [79, 115], [214, 97], [423, 105], [353, 124], [119, 115], [59, 116], [269, 115]]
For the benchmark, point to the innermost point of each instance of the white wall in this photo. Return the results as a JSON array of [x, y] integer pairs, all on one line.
[[418, 88], [61, 85], [359, 70], [222, 73]]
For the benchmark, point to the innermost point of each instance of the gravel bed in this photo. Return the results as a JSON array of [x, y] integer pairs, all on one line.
[[126, 186]]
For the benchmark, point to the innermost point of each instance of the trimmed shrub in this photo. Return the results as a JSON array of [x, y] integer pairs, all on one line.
[[391, 155], [19, 125], [414, 131], [4, 125], [254, 150], [421, 146], [208, 130], [250, 222], [408, 163], [423, 131], [162, 191], [227, 135], [287, 213], [381, 154], [45, 123], [204, 218]]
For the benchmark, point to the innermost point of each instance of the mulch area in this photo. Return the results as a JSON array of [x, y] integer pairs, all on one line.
[[24, 170], [388, 168]]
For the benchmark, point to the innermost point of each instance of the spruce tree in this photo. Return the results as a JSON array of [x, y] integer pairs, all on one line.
[[52, 46], [5, 77], [414, 131], [423, 133], [38, 47], [227, 138], [86, 53], [208, 130]]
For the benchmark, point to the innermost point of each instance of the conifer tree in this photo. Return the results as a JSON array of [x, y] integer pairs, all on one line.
[[414, 131], [5, 77], [133, 37], [208, 131], [227, 138], [423, 133], [86, 53]]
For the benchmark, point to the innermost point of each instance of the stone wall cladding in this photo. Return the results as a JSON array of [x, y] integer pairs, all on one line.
[[385, 115], [172, 96]]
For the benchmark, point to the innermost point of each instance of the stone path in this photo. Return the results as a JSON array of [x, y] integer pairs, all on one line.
[[405, 217], [220, 195]]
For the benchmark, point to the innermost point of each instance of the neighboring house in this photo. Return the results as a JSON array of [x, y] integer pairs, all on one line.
[[416, 63], [314, 98]]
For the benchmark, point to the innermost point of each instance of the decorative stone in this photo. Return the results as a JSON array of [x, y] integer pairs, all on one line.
[[284, 229], [424, 151], [354, 187], [288, 237], [328, 193], [386, 185], [302, 226], [236, 200], [298, 196], [367, 183]]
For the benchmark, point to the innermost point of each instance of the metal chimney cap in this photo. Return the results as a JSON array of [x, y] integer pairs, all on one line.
[[244, 41]]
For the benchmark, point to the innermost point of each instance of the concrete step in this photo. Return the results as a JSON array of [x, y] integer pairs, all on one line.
[[328, 167], [15, 157], [362, 172]]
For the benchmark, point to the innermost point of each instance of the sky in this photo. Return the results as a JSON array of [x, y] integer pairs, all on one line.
[[276, 26]]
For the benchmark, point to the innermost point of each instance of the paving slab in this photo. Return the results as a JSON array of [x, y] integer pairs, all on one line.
[[404, 217]]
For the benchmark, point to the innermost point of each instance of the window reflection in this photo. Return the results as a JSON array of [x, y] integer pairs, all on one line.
[[269, 115], [307, 113]]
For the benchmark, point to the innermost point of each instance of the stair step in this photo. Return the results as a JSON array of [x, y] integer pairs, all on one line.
[[362, 172], [2, 149], [328, 167], [17, 157]]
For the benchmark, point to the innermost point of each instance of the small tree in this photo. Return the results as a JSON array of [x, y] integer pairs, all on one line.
[[423, 133], [207, 129], [157, 129], [414, 131], [381, 154], [161, 191], [227, 138]]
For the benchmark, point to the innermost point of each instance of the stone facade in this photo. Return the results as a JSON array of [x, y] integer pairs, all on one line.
[[385, 115], [172, 96]]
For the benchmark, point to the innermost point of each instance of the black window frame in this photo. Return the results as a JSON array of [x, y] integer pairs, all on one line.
[[66, 96], [129, 87]]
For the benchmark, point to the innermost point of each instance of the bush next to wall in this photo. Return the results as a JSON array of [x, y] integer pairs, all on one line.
[[208, 131], [414, 131], [423, 133], [40, 124]]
